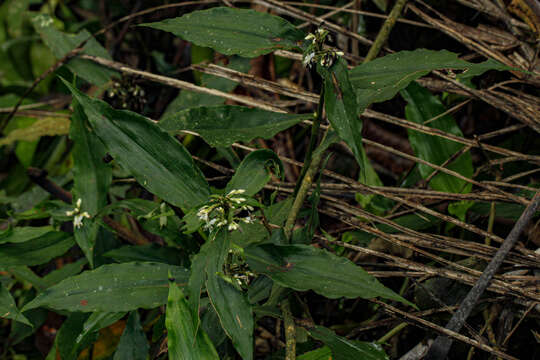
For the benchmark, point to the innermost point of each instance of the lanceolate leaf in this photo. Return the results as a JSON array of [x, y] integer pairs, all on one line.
[[381, 79], [36, 251], [61, 43], [91, 176], [254, 172], [422, 106], [344, 349], [133, 344], [231, 31], [186, 340], [223, 125], [341, 109], [8, 308], [303, 267], [21, 234], [112, 288], [159, 162], [232, 307]]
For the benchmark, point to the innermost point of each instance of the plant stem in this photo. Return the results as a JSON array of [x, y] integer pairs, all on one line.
[[392, 332], [290, 331], [305, 185], [385, 31], [315, 127]]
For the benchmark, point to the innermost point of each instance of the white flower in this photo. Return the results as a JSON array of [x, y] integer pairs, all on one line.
[[77, 215], [77, 219], [310, 36], [308, 58], [233, 226], [235, 192]]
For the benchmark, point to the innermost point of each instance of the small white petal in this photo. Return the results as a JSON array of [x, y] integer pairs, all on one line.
[[77, 221], [79, 203]]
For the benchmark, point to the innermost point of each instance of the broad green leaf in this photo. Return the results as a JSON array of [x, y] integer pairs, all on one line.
[[303, 267], [185, 339], [49, 126], [232, 306], [133, 344], [97, 321], [255, 171], [190, 99], [150, 252], [68, 270], [92, 178], [232, 31], [381, 79], [67, 347], [341, 110], [22, 234], [422, 106], [112, 288], [8, 308], [61, 43], [36, 251], [223, 125], [158, 162], [322, 353], [344, 349]]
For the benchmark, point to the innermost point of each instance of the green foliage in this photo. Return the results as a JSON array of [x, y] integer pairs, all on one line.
[[303, 267], [225, 125], [246, 33], [111, 288], [205, 280], [422, 106]]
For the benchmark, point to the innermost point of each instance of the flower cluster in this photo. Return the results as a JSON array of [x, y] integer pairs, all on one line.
[[222, 210], [315, 51], [78, 216]]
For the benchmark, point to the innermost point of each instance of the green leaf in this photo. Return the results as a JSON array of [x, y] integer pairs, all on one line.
[[223, 125], [158, 162], [49, 126], [36, 251], [381, 79], [254, 172], [133, 344], [92, 178], [67, 346], [233, 31], [186, 341], [61, 43], [303, 267], [322, 353], [341, 110], [8, 308], [22, 234], [422, 106], [68, 270], [97, 321], [112, 288], [232, 306], [343, 349], [150, 252]]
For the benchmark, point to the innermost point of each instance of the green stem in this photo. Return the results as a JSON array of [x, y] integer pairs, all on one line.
[[307, 181], [313, 140], [290, 331], [392, 332], [384, 33]]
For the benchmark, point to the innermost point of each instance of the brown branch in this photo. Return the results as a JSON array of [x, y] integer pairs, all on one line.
[[441, 346]]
